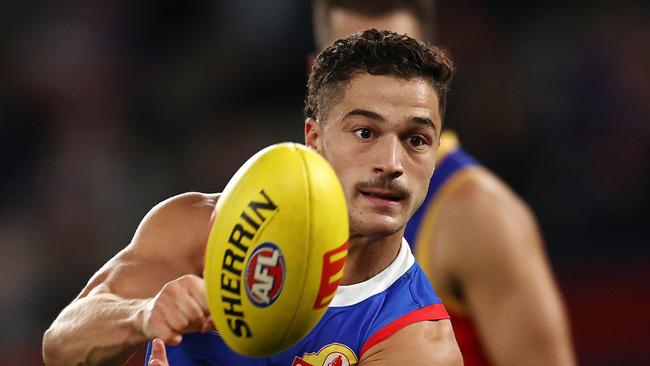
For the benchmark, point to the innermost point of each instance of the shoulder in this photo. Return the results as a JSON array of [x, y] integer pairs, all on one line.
[[183, 212], [175, 232], [421, 343], [479, 189], [184, 218], [168, 243], [185, 205], [483, 200], [485, 218]]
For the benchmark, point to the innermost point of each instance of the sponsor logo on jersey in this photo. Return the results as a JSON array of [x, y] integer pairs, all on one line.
[[334, 354], [264, 276]]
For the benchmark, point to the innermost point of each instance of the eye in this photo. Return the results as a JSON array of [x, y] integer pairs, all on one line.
[[417, 140], [364, 133]]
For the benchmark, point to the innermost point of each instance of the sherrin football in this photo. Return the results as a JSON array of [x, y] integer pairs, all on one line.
[[276, 249]]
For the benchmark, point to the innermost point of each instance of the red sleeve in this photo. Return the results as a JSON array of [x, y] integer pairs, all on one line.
[[431, 312]]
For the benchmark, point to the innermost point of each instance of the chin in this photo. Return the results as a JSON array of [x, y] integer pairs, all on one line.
[[375, 228]]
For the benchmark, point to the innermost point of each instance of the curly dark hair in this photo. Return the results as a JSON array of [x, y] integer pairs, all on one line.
[[377, 53]]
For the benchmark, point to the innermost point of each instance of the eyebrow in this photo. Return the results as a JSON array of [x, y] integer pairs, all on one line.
[[365, 113], [378, 117], [424, 121]]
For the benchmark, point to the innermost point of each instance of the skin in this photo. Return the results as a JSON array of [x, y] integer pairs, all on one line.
[[153, 289], [385, 128], [486, 254]]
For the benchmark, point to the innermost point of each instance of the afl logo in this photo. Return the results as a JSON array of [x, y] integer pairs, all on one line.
[[264, 276]]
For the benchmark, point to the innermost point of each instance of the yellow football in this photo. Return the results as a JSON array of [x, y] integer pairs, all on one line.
[[276, 249]]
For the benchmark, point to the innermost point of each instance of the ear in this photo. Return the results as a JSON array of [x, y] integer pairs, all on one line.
[[312, 133]]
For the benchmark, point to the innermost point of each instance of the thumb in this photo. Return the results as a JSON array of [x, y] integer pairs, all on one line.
[[158, 353]]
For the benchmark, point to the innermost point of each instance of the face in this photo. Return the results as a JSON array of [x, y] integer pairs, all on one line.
[[345, 22], [381, 139]]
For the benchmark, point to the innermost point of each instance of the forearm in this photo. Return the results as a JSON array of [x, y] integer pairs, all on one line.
[[96, 330]]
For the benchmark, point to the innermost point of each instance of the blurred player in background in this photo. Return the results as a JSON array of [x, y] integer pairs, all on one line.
[[477, 241], [374, 109]]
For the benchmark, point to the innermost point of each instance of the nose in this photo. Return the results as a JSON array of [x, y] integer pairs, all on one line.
[[389, 157]]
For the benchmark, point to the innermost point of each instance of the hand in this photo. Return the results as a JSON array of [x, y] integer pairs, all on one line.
[[180, 307], [158, 354]]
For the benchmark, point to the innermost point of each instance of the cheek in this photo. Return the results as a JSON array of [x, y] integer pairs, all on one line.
[[422, 175], [345, 169], [425, 165], [342, 163]]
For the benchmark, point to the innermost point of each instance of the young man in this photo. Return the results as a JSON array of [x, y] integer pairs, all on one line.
[[374, 110], [477, 241]]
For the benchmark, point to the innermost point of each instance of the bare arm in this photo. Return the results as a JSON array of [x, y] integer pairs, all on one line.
[[426, 343], [495, 254], [135, 296]]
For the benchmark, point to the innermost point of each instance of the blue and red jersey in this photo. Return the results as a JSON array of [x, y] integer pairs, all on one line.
[[360, 316]]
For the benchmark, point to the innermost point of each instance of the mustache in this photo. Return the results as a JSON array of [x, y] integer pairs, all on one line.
[[384, 183]]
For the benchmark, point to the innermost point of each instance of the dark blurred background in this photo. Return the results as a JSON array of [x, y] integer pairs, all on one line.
[[108, 107]]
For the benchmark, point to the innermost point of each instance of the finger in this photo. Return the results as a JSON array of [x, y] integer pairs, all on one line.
[[208, 325], [197, 290], [158, 353], [190, 308], [166, 334], [183, 311], [174, 339], [171, 315], [156, 324]]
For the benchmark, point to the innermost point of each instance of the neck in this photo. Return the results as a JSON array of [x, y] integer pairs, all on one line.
[[367, 256]]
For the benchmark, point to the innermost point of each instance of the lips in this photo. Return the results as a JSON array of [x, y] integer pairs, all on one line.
[[384, 195]]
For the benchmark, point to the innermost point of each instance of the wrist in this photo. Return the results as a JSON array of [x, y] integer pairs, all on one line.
[[136, 323]]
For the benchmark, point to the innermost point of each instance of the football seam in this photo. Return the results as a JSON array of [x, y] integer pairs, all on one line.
[[307, 261]]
